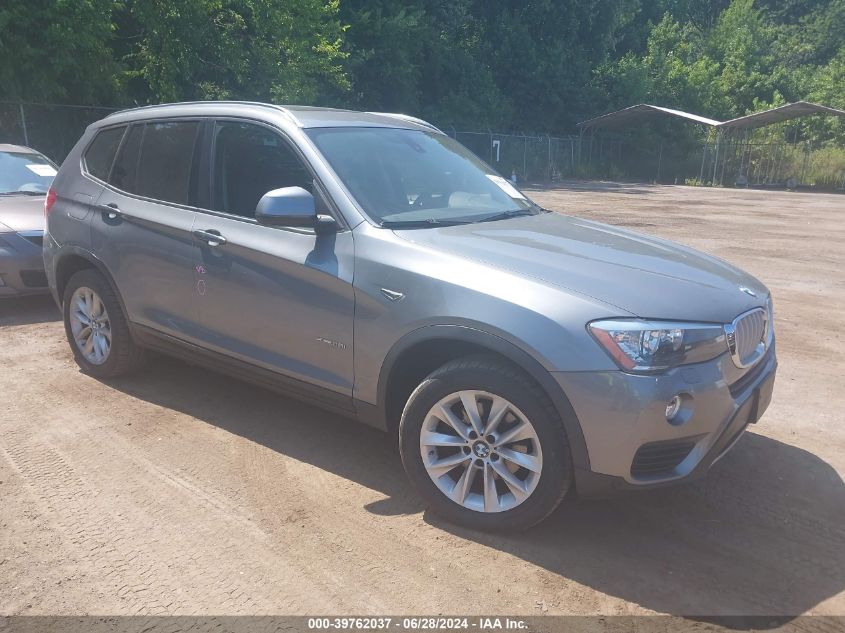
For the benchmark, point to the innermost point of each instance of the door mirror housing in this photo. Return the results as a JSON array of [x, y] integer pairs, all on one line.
[[289, 206], [293, 207]]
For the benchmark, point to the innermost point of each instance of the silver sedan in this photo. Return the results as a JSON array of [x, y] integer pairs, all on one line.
[[25, 178]]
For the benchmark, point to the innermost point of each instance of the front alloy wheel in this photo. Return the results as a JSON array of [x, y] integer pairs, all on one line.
[[484, 446], [481, 451]]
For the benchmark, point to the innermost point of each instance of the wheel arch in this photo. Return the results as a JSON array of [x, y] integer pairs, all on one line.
[[420, 352], [70, 261]]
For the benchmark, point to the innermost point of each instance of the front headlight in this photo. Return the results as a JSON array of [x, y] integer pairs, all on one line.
[[644, 347]]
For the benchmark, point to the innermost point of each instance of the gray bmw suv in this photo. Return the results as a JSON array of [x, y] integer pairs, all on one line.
[[372, 265]]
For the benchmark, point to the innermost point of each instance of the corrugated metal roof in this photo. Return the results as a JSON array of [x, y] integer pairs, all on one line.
[[640, 111], [620, 118], [781, 113]]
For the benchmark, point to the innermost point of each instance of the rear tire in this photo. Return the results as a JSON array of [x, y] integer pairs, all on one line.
[[96, 327], [510, 476]]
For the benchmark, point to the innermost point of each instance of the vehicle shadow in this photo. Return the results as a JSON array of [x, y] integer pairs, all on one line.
[[763, 534], [28, 310]]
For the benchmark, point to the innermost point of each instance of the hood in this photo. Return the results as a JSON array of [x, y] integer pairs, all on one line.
[[22, 213], [641, 275]]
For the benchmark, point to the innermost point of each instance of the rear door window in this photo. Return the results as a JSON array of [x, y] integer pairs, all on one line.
[[100, 154], [165, 161]]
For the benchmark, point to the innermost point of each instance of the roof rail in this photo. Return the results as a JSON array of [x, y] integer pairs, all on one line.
[[408, 118], [221, 102]]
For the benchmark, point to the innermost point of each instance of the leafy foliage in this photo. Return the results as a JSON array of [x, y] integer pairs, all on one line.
[[269, 50], [537, 65], [57, 50]]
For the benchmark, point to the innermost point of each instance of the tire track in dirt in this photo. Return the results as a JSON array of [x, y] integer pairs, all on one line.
[[162, 547]]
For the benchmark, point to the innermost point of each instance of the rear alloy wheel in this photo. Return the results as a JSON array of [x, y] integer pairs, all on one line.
[[483, 444], [96, 327], [90, 325]]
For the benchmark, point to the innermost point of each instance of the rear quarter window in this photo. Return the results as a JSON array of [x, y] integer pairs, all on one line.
[[100, 153], [126, 165]]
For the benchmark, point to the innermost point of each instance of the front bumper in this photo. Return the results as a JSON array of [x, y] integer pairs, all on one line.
[[21, 265], [629, 442]]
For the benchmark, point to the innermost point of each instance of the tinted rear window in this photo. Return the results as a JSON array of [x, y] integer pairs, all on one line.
[[100, 154], [164, 166]]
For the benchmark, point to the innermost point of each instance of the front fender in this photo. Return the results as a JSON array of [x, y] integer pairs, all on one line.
[[473, 334]]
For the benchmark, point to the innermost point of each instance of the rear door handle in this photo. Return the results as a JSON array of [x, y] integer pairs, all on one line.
[[210, 237], [110, 211]]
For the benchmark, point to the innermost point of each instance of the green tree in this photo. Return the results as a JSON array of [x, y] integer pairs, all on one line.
[[272, 50], [57, 51], [742, 43], [828, 87], [542, 55], [384, 45], [426, 57]]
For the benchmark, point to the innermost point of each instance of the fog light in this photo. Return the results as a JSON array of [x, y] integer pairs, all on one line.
[[673, 407]]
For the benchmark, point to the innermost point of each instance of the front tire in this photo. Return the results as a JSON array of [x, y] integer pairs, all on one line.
[[96, 327], [484, 446]]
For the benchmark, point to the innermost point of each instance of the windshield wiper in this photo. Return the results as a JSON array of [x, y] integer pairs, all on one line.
[[419, 224], [504, 215]]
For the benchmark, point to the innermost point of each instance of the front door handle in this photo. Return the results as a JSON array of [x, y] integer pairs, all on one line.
[[210, 237], [110, 211]]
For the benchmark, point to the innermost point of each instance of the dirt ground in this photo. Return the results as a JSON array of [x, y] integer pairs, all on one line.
[[179, 491]]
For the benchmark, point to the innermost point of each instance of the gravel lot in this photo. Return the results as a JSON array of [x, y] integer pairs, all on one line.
[[181, 491]]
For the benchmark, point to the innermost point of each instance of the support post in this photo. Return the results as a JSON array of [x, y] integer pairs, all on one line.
[[725, 159], [804, 162], [659, 160], [744, 148], [524, 159], [716, 158], [23, 125], [580, 143]]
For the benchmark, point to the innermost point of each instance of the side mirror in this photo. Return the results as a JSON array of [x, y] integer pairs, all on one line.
[[289, 206], [292, 207]]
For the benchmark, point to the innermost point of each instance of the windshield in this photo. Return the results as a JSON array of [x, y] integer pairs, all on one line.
[[24, 173], [414, 178]]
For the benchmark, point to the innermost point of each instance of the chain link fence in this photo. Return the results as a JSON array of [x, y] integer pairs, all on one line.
[[49, 128], [54, 129], [527, 157], [744, 163]]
